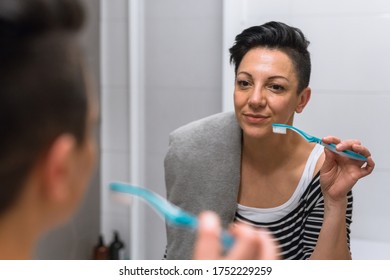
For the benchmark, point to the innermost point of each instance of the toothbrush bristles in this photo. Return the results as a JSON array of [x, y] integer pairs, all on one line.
[[280, 130]]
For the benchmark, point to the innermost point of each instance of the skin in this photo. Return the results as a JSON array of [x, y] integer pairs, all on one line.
[[266, 93]]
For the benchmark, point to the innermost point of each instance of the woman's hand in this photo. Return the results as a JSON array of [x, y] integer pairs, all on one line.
[[338, 173], [249, 243]]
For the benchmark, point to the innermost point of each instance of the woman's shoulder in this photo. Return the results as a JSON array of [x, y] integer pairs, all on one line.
[[212, 136], [224, 123]]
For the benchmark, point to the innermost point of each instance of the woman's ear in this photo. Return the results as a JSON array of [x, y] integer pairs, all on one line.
[[57, 168], [304, 98]]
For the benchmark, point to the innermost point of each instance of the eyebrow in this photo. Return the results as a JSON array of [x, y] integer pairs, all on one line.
[[269, 78], [243, 72], [278, 77]]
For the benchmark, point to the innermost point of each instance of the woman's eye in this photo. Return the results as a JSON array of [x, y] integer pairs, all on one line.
[[276, 87], [243, 83]]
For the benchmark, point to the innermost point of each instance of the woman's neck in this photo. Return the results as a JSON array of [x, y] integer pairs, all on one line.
[[272, 152], [17, 237]]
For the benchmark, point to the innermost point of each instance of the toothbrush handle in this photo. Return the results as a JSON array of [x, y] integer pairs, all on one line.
[[227, 240], [346, 153]]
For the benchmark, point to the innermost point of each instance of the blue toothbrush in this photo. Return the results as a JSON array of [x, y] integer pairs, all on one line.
[[281, 128], [173, 215]]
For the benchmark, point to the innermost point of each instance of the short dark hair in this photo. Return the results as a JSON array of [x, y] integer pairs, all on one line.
[[42, 85], [275, 35]]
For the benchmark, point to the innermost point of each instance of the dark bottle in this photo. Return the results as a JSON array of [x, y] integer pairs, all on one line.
[[101, 251], [117, 248]]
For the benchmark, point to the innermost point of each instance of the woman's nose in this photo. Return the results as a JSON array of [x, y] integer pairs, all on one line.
[[257, 99]]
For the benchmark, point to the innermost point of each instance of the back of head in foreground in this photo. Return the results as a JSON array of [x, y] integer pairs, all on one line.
[[44, 120]]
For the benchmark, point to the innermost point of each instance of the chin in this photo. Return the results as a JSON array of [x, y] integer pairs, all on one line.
[[254, 132]]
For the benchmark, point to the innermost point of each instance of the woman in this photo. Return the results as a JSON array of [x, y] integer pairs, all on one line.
[[47, 116], [235, 165]]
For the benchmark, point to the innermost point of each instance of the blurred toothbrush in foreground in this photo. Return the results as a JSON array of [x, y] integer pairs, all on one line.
[[173, 215]]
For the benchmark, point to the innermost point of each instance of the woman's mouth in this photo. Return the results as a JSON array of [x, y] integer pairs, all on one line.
[[255, 118]]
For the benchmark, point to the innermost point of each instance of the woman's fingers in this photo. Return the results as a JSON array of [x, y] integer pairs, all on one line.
[[269, 249], [208, 244], [246, 245], [349, 144], [249, 243], [252, 243], [361, 168]]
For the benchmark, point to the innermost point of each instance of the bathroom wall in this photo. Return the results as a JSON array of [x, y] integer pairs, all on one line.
[[115, 117], [75, 239], [350, 91], [183, 41]]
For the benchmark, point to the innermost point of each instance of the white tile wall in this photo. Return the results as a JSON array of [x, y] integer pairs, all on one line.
[[363, 249], [371, 211], [183, 40], [182, 10], [182, 51], [350, 115], [115, 114], [334, 7], [115, 214], [349, 53], [114, 10], [114, 45], [350, 45]]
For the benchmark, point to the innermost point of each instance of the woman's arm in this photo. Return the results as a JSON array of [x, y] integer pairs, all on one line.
[[338, 175], [333, 239]]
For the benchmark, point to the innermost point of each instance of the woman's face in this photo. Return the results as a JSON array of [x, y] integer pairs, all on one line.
[[266, 91]]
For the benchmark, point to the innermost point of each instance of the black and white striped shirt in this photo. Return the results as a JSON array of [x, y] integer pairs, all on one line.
[[297, 230]]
